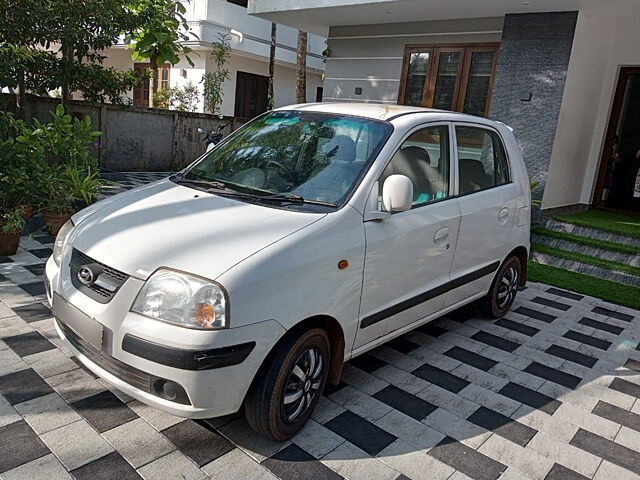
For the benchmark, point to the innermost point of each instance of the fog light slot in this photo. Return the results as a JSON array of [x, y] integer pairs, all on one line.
[[169, 390]]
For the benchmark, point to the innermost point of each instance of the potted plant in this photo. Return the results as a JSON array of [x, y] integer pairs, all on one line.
[[84, 185], [21, 153], [58, 204], [67, 179], [11, 224]]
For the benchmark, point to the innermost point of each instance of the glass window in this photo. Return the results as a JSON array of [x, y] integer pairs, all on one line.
[[480, 73], [417, 73], [424, 158], [460, 80], [163, 80], [318, 156], [482, 162], [447, 80]]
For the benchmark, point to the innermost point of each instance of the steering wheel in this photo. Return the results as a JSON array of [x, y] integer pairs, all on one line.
[[288, 172]]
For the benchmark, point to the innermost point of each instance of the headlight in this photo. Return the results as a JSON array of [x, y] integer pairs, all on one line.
[[61, 240], [183, 300]]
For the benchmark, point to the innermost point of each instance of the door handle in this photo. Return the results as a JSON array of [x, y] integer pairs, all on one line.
[[504, 213], [441, 236]]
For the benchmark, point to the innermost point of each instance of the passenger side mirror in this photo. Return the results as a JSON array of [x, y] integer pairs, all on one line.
[[397, 193]]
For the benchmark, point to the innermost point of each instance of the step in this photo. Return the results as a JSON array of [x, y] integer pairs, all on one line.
[[604, 254], [555, 225], [579, 267]]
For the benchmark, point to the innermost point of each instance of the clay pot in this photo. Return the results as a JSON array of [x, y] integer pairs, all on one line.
[[26, 211], [9, 243], [55, 220]]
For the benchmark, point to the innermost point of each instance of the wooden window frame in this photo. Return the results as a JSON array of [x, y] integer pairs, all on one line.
[[467, 50], [147, 66], [433, 75]]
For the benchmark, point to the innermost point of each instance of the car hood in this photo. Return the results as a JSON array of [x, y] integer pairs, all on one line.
[[168, 225]]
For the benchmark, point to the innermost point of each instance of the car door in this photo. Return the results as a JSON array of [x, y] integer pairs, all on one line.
[[487, 199], [408, 255]]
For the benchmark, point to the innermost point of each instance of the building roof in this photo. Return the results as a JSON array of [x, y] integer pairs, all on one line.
[[318, 15], [379, 111]]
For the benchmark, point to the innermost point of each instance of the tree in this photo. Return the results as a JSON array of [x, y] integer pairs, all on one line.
[[271, 101], [80, 29], [301, 68], [83, 29], [213, 81], [159, 36]]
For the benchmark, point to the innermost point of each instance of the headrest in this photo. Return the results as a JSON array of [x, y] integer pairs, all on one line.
[[340, 148], [416, 154]]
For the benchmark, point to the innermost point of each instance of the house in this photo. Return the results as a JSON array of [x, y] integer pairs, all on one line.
[[245, 93], [564, 74]]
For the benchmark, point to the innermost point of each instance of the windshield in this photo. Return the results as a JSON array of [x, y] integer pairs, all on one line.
[[317, 156]]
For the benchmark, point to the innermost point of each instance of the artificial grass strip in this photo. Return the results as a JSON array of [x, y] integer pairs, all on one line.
[[586, 241], [595, 287], [579, 257], [604, 220]]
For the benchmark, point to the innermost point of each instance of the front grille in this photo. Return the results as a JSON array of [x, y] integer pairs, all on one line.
[[107, 281], [115, 367]]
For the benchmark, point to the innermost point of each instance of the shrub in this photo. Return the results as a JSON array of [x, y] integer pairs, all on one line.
[[48, 165], [11, 222]]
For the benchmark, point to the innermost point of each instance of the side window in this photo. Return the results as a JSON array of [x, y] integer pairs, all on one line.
[[424, 158], [482, 162]]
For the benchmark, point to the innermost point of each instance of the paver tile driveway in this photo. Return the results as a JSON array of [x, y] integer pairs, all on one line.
[[550, 391]]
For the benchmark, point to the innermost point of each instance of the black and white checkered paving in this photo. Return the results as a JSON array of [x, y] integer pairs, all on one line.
[[551, 391], [117, 182]]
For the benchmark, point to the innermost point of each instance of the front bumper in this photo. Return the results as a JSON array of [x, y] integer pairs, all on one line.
[[138, 351]]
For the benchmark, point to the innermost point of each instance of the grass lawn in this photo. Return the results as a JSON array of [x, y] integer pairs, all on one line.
[[596, 287], [578, 257], [604, 220], [588, 242]]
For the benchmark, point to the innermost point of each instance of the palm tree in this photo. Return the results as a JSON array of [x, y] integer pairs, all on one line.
[[301, 70], [272, 60]]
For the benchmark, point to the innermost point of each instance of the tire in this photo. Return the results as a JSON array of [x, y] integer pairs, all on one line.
[[292, 380], [503, 289]]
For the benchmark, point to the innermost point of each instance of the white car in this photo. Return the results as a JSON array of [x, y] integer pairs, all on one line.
[[312, 234]]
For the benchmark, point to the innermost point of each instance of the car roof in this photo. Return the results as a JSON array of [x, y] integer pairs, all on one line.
[[378, 111]]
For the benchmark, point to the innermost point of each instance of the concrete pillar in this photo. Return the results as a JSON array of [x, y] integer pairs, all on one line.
[[529, 82]]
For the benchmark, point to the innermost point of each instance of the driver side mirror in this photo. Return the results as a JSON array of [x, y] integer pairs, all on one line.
[[397, 193]]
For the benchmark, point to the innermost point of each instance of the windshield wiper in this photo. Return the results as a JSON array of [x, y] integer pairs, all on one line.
[[295, 199], [202, 183], [222, 188]]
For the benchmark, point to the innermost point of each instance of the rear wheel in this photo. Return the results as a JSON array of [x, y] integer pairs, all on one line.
[[285, 394], [503, 289]]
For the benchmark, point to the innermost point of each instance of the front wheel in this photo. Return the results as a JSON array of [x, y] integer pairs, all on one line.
[[285, 394], [503, 289]]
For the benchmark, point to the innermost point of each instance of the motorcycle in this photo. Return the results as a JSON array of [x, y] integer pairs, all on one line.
[[213, 137]]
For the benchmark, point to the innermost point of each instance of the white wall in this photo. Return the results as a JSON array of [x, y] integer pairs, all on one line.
[[369, 57], [209, 18], [193, 74], [284, 81], [602, 44], [250, 53]]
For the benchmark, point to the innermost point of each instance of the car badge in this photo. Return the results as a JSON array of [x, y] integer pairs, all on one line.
[[85, 275]]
